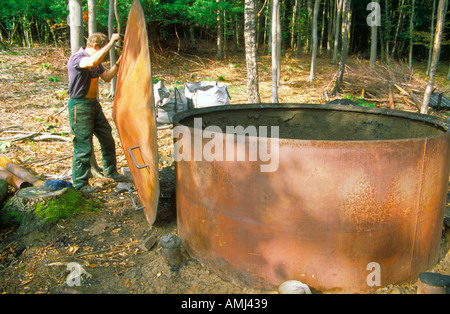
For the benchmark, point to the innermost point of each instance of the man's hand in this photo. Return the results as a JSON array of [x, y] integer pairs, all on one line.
[[114, 37]]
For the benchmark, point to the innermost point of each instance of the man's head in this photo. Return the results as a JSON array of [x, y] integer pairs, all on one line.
[[97, 41]]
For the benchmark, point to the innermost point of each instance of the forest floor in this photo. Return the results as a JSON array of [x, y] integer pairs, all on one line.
[[108, 243]]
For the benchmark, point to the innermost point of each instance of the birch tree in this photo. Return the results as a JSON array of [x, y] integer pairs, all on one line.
[[112, 52], [312, 75], [344, 51], [220, 20], [92, 17], [442, 10], [430, 52], [411, 30], [374, 21], [337, 29], [76, 25], [251, 52], [448, 75], [276, 37]]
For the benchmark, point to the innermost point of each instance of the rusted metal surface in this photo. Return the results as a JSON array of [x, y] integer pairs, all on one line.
[[330, 211], [134, 112]]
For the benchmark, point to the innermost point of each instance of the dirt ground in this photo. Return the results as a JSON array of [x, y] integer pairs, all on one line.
[[108, 244]]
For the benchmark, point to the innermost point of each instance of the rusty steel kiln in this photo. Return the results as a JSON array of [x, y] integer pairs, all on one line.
[[353, 187], [349, 188]]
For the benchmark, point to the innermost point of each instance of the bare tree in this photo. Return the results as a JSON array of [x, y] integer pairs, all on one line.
[[251, 52], [448, 75], [294, 22], [399, 26], [337, 28], [374, 28], [411, 30], [76, 25], [430, 52], [312, 75], [220, 29], [112, 52], [442, 10], [276, 38], [344, 52], [92, 21]]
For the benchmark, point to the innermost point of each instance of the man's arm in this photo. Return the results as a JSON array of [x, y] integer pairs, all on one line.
[[108, 75], [98, 56]]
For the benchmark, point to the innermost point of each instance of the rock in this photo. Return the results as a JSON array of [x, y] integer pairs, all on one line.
[[124, 187], [148, 243], [126, 172], [293, 287]]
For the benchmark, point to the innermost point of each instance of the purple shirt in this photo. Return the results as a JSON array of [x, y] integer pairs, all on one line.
[[80, 78]]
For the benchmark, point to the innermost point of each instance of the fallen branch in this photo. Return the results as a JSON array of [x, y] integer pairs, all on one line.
[[36, 136], [410, 93]]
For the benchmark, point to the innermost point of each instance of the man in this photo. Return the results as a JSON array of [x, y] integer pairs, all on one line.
[[85, 113]]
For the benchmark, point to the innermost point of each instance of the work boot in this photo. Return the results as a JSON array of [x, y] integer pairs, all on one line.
[[87, 189], [117, 177]]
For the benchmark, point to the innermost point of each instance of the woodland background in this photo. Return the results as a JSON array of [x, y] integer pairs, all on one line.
[[28, 22]]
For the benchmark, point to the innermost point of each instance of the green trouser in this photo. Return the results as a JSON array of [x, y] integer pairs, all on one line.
[[86, 119]]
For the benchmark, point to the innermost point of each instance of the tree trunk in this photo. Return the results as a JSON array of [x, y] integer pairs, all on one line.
[[411, 30], [374, 28], [337, 29], [298, 48], [322, 33], [310, 5], [279, 43], [293, 23], [448, 75], [192, 41], [442, 10], [399, 25], [388, 29], [330, 27], [344, 52], [220, 52], [250, 52], [312, 75], [76, 25], [92, 22], [430, 52], [112, 52], [275, 60]]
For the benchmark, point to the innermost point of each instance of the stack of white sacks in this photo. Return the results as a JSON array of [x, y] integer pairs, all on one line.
[[195, 95]]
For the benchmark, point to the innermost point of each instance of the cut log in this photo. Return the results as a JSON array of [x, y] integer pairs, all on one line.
[[19, 171]]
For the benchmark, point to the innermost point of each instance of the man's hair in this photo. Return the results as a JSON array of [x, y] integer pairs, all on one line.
[[97, 38]]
